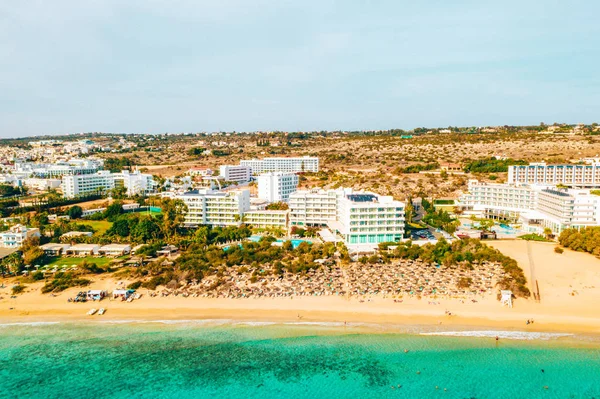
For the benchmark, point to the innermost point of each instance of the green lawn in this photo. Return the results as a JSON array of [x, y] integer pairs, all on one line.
[[60, 261], [99, 225]]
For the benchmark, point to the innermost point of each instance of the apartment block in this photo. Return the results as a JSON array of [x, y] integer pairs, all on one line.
[[294, 164], [237, 173], [277, 186], [583, 176]]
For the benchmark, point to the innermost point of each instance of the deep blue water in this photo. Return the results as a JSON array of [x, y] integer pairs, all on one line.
[[199, 360]]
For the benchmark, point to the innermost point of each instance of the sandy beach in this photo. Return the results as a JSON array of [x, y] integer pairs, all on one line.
[[569, 285]]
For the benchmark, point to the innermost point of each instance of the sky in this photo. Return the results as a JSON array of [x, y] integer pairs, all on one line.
[[149, 66]]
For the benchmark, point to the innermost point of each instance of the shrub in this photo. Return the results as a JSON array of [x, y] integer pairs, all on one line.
[[135, 285], [18, 289], [558, 250]]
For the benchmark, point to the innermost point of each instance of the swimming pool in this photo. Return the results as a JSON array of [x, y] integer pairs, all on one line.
[[295, 242]]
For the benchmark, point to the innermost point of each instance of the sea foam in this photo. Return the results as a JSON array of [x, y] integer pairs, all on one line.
[[30, 324], [520, 335]]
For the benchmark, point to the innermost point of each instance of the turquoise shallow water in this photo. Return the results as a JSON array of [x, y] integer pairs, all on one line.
[[198, 360]]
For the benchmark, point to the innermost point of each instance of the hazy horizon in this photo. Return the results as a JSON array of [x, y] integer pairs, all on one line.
[[192, 66]]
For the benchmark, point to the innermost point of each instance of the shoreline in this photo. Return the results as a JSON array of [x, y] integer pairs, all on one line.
[[381, 314]]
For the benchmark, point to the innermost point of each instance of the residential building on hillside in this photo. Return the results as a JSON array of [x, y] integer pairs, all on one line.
[[215, 208], [295, 164], [237, 173], [14, 237], [583, 176], [277, 186]]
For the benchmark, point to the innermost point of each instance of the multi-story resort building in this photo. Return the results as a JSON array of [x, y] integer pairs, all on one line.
[[361, 218], [215, 208], [135, 182], [237, 173], [498, 201], [73, 166], [277, 186], [583, 176], [81, 185], [294, 165], [14, 237], [367, 218], [103, 181], [314, 207], [536, 207], [267, 219]]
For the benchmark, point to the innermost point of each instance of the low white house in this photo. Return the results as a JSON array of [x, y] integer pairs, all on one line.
[[83, 249], [115, 249], [14, 237], [54, 249]]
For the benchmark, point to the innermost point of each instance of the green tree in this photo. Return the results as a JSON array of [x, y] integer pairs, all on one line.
[[75, 212], [113, 210], [173, 215]]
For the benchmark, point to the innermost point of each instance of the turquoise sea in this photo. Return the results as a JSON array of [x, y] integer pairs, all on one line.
[[213, 359]]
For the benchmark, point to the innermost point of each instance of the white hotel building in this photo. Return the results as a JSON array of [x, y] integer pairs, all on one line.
[[294, 165], [237, 173], [536, 207], [361, 218], [583, 176], [215, 208], [277, 186], [73, 166], [81, 185], [104, 181]]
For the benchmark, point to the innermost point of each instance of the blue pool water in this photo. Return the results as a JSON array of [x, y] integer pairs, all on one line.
[[193, 359], [296, 242]]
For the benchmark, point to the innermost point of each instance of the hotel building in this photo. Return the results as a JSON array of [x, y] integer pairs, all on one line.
[[277, 186], [103, 181], [267, 219], [81, 185], [536, 207], [294, 165], [361, 218], [237, 173], [583, 176], [215, 208]]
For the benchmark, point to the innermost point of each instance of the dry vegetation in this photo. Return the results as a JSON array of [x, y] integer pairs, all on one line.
[[371, 162]]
